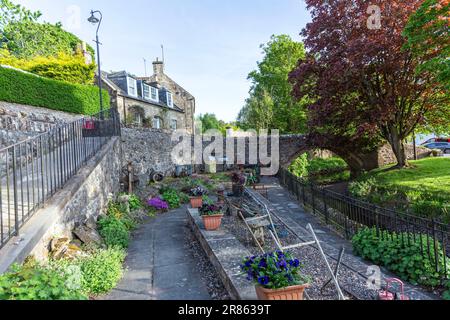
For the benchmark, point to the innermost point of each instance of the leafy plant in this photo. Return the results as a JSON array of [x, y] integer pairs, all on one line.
[[300, 166], [135, 202], [198, 191], [118, 211], [114, 232], [275, 270], [102, 270], [172, 198], [402, 257], [36, 282], [362, 189], [210, 210]]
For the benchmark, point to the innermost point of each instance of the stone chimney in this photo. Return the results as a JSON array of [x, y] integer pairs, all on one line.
[[158, 67]]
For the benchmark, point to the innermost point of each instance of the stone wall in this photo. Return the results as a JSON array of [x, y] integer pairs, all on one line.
[[386, 155], [20, 122], [147, 149]]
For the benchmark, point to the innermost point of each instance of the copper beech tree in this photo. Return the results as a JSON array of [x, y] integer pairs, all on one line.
[[362, 79]]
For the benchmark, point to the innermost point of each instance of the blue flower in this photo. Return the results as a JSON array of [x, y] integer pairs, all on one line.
[[263, 280], [281, 264], [294, 263], [262, 263]]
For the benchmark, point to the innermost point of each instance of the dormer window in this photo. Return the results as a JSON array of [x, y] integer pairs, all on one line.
[[169, 99], [132, 86], [150, 93]]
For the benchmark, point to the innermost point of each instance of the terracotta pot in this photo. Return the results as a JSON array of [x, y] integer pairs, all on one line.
[[212, 223], [289, 293], [196, 202]]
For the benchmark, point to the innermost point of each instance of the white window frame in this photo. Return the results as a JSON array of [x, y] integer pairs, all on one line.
[[156, 92], [144, 86], [159, 126], [172, 122], [129, 81], [169, 96]]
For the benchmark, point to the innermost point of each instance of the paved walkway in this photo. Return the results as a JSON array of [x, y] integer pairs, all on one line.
[[293, 213], [159, 268]]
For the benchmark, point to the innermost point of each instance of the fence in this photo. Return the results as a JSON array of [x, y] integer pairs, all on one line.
[[33, 170], [347, 216]]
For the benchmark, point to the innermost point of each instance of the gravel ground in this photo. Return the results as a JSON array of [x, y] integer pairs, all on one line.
[[205, 268], [354, 287]]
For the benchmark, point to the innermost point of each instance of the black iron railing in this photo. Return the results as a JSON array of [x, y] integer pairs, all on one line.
[[35, 169], [347, 216]]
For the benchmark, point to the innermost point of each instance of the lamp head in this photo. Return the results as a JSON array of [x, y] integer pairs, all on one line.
[[93, 19]]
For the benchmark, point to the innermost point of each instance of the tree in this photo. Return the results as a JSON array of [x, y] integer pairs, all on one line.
[[363, 83], [209, 121], [10, 12], [270, 95], [258, 111], [29, 39], [427, 33]]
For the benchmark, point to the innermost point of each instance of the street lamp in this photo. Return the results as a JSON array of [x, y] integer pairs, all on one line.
[[94, 20]]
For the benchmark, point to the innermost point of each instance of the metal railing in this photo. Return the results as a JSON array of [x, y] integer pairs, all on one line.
[[347, 216], [33, 170]]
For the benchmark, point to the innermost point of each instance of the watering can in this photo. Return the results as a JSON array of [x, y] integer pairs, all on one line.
[[388, 295]]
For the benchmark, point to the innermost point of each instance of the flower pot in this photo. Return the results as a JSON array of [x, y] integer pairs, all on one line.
[[212, 223], [196, 202], [289, 293]]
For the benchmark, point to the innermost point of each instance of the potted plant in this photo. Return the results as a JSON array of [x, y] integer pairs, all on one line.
[[239, 180], [197, 194], [212, 216], [276, 276]]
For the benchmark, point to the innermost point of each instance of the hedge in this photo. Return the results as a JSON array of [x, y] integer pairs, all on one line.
[[24, 88]]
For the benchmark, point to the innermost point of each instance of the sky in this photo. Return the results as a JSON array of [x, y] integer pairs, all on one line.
[[210, 45]]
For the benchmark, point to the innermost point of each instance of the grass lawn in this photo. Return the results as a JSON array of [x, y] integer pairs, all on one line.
[[424, 188]]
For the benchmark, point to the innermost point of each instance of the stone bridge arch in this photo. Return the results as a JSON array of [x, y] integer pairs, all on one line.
[[293, 146]]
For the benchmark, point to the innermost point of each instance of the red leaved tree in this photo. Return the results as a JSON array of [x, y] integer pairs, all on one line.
[[364, 83]]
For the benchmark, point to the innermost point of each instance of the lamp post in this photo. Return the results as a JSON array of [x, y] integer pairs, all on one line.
[[94, 20]]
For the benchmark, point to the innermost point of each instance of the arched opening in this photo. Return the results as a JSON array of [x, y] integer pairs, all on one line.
[[320, 166]]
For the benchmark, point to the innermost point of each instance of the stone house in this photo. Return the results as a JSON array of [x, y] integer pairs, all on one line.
[[155, 102]]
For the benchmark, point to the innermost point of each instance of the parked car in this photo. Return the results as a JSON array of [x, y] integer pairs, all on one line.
[[444, 146], [434, 140]]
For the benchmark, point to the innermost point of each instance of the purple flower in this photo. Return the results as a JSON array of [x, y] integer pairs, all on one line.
[[158, 204], [282, 264], [262, 263]]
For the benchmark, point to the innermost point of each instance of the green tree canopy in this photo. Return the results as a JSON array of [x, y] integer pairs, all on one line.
[[270, 99], [428, 39], [209, 121], [26, 38]]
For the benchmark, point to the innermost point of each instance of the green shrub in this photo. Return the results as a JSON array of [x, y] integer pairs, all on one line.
[[63, 67], [362, 189], [299, 166], [114, 232], [135, 203], [406, 260], [24, 88], [319, 165], [102, 270], [35, 282], [172, 198], [119, 212]]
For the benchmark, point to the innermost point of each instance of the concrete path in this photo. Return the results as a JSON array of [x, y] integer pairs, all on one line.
[[159, 268]]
